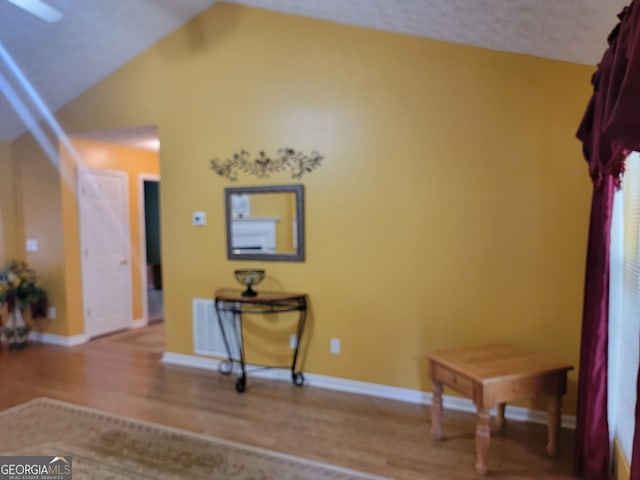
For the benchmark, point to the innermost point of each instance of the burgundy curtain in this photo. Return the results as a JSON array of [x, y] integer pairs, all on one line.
[[592, 431], [609, 130]]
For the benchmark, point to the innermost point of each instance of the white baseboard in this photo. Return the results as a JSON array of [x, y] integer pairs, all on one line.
[[139, 323], [60, 340], [190, 361], [365, 388]]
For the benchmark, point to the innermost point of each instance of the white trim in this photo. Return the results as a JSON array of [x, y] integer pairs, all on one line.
[[61, 340], [366, 388], [190, 361], [139, 323], [142, 177]]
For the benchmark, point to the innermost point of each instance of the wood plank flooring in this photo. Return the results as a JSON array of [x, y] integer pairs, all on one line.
[[379, 436]]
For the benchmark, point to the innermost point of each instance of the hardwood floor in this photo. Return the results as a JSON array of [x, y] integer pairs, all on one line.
[[379, 436]]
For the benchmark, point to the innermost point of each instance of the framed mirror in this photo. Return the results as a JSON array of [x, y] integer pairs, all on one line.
[[265, 223]]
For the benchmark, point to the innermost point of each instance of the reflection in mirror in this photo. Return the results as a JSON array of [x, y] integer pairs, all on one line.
[[265, 223]]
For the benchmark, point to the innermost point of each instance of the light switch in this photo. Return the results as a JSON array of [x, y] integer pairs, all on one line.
[[199, 218], [32, 245]]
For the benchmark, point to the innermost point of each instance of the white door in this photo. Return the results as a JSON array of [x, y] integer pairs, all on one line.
[[105, 240]]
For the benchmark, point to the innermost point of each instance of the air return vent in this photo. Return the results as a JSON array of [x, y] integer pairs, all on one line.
[[207, 337]]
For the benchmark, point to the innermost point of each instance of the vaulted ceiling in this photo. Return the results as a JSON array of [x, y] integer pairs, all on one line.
[[60, 60]]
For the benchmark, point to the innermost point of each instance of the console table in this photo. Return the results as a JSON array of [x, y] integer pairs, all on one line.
[[493, 375], [231, 301]]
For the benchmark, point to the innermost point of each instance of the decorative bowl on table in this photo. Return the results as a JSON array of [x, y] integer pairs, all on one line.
[[249, 277]]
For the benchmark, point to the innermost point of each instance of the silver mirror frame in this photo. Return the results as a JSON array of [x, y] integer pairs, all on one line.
[[298, 190]]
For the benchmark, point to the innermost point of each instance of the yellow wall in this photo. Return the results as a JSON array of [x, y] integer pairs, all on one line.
[[47, 211], [7, 205], [619, 463], [451, 207], [38, 217]]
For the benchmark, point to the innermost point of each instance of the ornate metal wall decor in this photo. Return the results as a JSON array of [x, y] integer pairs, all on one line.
[[297, 162]]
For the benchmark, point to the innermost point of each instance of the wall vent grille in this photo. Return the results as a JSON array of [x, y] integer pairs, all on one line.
[[207, 336]]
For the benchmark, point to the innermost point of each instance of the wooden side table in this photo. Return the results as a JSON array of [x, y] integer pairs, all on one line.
[[494, 375]]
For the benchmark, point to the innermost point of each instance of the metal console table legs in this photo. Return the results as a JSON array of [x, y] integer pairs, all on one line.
[[231, 302]]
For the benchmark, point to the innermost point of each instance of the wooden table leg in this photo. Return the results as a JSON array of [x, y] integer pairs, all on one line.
[[436, 411], [553, 424], [483, 436], [500, 415]]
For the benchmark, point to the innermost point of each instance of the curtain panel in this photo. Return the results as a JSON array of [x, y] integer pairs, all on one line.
[[609, 131]]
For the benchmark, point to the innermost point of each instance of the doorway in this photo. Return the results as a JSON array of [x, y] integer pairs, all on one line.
[[152, 257], [134, 151]]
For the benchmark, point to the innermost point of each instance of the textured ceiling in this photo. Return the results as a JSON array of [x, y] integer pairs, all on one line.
[[95, 37]]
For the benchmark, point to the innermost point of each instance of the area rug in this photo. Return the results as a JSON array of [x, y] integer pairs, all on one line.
[[105, 446]]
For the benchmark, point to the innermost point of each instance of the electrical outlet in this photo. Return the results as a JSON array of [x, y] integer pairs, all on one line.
[[293, 341], [334, 346], [51, 313]]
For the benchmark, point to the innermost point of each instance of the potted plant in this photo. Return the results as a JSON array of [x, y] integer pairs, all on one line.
[[19, 291]]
